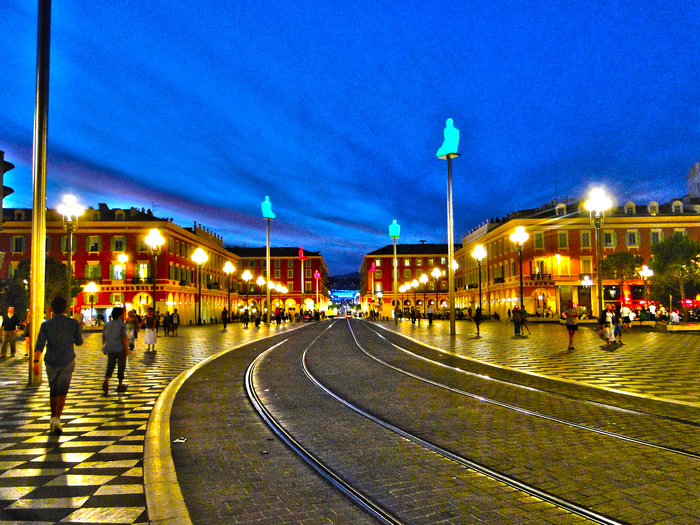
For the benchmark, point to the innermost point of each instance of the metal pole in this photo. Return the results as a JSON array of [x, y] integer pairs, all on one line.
[[596, 223], [450, 245], [228, 289], [395, 289], [69, 265], [267, 262], [41, 119], [155, 272], [479, 263], [199, 318], [520, 256]]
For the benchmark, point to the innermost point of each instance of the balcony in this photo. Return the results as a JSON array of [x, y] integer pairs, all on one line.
[[540, 277], [499, 280], [84, 280], [144, 280], [184, 283]]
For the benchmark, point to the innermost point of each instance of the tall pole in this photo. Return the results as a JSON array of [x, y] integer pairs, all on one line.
[[395, 287], [450, 244], [199, 316], [41, 119], [479, 264], [520, 257], [228, 290], [597, 222], [267, 262], [154, 261], [69, 265]]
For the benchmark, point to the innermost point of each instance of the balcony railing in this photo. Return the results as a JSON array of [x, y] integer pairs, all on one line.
[[540, 276], [142, 280], [85, 280], [499, 280]]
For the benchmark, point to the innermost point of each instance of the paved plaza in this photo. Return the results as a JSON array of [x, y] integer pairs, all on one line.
[[94, 471]]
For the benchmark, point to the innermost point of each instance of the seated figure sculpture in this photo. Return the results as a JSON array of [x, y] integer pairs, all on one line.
[[451, 142], [267, 208]]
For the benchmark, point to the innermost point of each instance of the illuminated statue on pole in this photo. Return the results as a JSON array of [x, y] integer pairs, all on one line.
[[449, 146], [267, 208]]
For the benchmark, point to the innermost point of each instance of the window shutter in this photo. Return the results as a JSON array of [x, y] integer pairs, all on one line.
[[614, 239], [111, 272]]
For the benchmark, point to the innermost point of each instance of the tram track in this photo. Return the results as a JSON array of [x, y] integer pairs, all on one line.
[[525, 411], [383, 514]]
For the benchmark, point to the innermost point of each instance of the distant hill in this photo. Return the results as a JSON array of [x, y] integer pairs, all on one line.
[[350, 281]]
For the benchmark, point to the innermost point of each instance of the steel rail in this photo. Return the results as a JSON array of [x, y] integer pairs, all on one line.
[[510, 481], [339, 483]]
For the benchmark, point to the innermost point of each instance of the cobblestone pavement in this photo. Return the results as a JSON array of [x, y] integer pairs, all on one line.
[[651, 364], [93, 472]]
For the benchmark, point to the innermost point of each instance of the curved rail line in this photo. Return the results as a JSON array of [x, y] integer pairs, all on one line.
[[510, 481], [515, 408], [360, 499], [533, 389]]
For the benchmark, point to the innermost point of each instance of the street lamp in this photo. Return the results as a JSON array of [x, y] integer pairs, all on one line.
[[200, 257], [424, 279], [268, 215], [519, 238], [155, 240], [437, 274], [92, 289], [247, 276], [414, 285], [479, 253], [394, 231], [448, 151], [317, 276], [228, 268], [597, 206], [646, 272], [270, 287], [70, 210], [260, 282]]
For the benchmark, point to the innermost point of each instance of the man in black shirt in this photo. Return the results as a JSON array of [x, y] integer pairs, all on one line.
[[10, 324]]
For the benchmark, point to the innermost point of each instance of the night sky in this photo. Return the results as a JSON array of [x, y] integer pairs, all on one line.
[[197, 109]]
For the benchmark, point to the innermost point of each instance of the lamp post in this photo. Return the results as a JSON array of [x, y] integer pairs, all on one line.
[[317, 276], [646, 272], [448, 151], [519, 238], [247, 276], [268, 215], [414, 285], [228, 268], [394, 231], [436, 273], [260, 282], [270, 287], [597, 205], [92, 289], [479, 253], [155, 240], [70, 211], [424, 279], [200, 257]]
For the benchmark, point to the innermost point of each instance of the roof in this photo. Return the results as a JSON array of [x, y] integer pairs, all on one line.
[[257, 253], [414, 249]]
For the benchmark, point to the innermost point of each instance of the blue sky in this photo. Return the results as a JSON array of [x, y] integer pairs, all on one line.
[[198, 109]]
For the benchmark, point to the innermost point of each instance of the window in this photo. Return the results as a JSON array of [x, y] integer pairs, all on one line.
[[431, 262], [407, 262], [18, 244], [377, 287], [119, 215], [653, 208], [93, 271], [561, 209], [19, 215], [377, 274], [443, 260], [116, 298], [632, 239], [656, 236], [117, 271], [64, 243], [277, 274], [290, 264], [143, 270], [307, 274], [407, 274], [141, 244], [513, 271], [307, 263], [307, 286], [585, 239], [680, 231], [419, 261], [94, 243], [539, 241], [290, 286], [290, 274], [119, 243], [94, 215], [609, 239], [278, 263], [677, 207], [251, 263], [586, 266], [48, 244], [563, 239], [377, 263]]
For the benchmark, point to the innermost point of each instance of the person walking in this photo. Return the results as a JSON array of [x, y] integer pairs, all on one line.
[[58, 335], [413, 315], [516, 320], [132, 330], [167, 322], [430, 315], [625, 314], [10, 325], [245, 318], [115, 344], [174, 322], [523, 322], [606, 324], [397, 314], [150, 336], [478, 319], [571, 316], [224, 317]]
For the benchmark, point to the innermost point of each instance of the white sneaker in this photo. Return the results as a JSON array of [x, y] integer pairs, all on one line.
[[52, 424], [57, 428]]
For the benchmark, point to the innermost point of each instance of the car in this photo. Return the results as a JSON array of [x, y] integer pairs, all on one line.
[[348, 314]]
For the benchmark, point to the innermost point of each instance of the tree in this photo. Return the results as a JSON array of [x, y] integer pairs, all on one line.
[[55, 284], [676, 262], [621, 267]]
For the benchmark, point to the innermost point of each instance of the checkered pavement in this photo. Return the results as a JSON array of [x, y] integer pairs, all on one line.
[[93, 471]]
